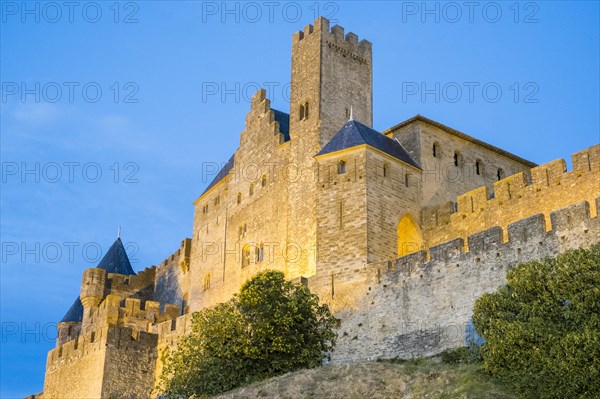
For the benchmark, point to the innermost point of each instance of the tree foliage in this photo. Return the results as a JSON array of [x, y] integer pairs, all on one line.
[[271, 327], [542, 329]]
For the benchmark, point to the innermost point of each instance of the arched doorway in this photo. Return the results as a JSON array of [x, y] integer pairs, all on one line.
[[409, 237]]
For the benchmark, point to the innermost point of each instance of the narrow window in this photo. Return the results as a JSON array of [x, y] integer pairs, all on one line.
[[217, 200], [184, 304], [263, 181], [306, 110], [252, 189], [406, 178], [246, 255], [478, 167], [456, 159], [301, 112], [500, 174], [256, 254], [436, 150], [207, 282], [341, 167], [261, 252], [239, 198], [347, 113], [385, 170]]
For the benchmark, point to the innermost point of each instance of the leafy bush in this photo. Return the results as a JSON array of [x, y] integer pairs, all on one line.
[[542, 330], [271, 327]]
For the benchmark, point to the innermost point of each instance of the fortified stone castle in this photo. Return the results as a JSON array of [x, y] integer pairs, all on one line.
[[398, 231]]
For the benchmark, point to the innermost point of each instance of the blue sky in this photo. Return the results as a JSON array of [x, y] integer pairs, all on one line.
[[76, 163]]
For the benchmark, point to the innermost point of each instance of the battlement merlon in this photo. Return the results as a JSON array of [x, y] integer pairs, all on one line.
[[98, 339], [336, 36], [131, 312], [548, 175], [572, 227], [181, 255], [549, 187]]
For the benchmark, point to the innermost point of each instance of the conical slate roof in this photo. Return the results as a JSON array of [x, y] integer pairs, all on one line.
[[354, 133], [114, 261]]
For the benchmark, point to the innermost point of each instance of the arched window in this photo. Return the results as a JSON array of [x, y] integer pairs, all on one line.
[[409, 237], [341, 167], [239, 198], [500, 174], [246, 256], [478, 167], [263, 180]]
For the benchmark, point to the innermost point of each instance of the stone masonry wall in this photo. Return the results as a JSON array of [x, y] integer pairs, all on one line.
[[550, 187], [66, 364], [418, 307], [131, 361]]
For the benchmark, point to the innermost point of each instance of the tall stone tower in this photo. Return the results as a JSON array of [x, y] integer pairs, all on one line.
[[331, 75]]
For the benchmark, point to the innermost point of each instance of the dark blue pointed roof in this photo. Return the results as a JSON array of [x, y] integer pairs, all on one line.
[[354, 133], [75, 312], [114, 261]]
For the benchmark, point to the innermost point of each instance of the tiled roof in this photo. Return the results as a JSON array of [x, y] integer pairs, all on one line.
[[75, 312], [114, 261], [354, 133]]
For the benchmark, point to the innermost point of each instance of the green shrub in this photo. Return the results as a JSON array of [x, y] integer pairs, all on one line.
[[542, 329], [271, 327]]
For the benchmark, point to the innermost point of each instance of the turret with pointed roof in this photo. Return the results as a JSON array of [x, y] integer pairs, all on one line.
[[114, 261]]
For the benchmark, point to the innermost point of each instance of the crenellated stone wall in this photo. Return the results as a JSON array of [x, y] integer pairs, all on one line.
[[545, 188], [420, 307]]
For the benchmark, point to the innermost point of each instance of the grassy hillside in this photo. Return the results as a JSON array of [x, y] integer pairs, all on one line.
[[416, 379]]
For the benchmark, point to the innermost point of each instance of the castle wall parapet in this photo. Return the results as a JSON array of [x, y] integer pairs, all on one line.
[[422, 303], [550, 187], [335, 37]]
